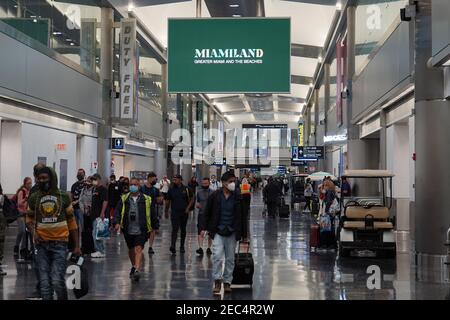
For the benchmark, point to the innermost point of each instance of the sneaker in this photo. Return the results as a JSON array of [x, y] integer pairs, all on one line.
[[217, 287], [2, 272], [227, 288], [16, 251], [172, 249], [132, 271], [136, 276], [182, 250], [151, 251], [97, 254], [34, 296], [208, 251], [199, 251]]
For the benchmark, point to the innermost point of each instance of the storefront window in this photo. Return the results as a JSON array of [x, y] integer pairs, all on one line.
[[373, 20]]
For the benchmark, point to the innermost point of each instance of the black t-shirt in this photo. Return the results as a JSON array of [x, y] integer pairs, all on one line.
[[76, 191], [114, 193], [179, 198], [99, 194]]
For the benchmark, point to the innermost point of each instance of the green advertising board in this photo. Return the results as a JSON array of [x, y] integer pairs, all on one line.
[[229, 55]]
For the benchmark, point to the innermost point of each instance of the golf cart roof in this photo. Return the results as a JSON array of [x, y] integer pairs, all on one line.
[[367, 174], [300, 175]]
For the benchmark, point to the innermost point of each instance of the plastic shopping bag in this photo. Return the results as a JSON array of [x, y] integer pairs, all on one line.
[[325, 223], [102, 229]]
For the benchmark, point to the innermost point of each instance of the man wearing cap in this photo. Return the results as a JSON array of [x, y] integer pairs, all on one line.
[[180, 199]]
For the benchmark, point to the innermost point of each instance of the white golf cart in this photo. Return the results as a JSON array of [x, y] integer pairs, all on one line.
[[365, 224]]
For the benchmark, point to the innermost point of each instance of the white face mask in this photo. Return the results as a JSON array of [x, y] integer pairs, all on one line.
[[231, 186], [94, 182]]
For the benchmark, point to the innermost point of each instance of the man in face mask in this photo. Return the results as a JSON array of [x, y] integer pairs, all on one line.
[[180, 200], [223, 222], [133, 216], [149, 188], [75, 193], [201, 197], [51, 222]]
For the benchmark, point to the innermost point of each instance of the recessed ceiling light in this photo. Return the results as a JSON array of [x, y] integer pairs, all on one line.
[[34, 20], [130, 7], [320, 59], [236, 15], [68, 40], [234, 6], [339, 5], [311, 85], [72, 44], [57, 33]]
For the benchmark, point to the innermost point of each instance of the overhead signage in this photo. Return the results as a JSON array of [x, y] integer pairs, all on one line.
[[128, 71], [264, 126], [117, 143], [307, 153], [300, 134], [250, 55]]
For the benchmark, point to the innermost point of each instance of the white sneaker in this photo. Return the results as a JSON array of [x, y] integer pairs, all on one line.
[[97, 254]]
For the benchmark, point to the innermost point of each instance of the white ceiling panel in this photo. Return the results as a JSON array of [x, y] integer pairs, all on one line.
[[303, 66], [309, 22], [299, 90]]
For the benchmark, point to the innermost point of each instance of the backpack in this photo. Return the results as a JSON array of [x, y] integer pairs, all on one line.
[[10, 209]]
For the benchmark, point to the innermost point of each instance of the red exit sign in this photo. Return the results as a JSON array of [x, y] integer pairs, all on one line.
[[61, 147]]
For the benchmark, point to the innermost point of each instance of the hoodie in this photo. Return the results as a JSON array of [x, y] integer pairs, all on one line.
[[51, 212]]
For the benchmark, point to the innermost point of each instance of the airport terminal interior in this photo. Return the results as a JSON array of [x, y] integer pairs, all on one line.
[[224, 149]]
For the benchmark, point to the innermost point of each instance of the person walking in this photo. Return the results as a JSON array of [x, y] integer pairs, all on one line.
[[51, 222], [98, 210], [85, 225], [21, 247], [308, 193], [223, 222], [114, 194], [75, 192], [272, 193], [246, 199], [180, 201], [214, 185], [3, 224], [201, 198], [133, 216], [149, 188]]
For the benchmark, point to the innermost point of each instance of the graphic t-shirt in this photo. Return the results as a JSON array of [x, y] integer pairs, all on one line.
[[52, 214]]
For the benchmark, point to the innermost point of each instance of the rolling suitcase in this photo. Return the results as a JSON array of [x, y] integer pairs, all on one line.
[[243, 267], [284, 209], [314, 236]]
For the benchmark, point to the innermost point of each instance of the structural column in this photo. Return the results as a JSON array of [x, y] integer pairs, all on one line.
[[432, 139], [106, 66], [162, 153]]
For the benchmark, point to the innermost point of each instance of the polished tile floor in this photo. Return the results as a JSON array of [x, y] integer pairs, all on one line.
[[284, 269]]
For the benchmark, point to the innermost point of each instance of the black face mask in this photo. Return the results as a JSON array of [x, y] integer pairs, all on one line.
[[125, 188], [44, 186], [153, 183], [80, 177], [205, 187]]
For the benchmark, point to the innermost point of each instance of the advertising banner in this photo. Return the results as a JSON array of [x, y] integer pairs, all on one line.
[[250, 55]]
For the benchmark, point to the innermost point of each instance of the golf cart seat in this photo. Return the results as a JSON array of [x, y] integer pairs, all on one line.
[[367, 217]]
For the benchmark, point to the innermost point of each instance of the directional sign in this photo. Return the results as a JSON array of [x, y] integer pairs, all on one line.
[[117, 143]]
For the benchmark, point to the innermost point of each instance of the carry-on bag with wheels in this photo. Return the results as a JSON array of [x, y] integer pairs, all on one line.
[[243, 266], [314, 235], [284, 209]]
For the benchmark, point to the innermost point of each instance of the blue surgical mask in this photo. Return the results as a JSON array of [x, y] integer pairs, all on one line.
[[134, 189]]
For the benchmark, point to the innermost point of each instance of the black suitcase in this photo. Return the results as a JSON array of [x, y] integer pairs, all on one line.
[[284, 209], [243, 267]]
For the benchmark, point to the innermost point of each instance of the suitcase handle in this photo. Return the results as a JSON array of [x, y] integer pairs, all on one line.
[[239, 246]]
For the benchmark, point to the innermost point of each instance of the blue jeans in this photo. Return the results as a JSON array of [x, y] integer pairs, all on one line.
[[51, 261], [98, 244], [223, 247], [79, 218]]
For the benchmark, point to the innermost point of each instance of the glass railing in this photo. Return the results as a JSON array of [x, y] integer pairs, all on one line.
[[67, 28]]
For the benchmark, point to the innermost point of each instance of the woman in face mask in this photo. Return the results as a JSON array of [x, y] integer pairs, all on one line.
[[85, 207]]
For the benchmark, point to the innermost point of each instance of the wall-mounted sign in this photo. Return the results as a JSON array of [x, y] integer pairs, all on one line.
[[129, 81], [300, 134], [117, 143], [336, 138], [264, 126], [250, 55]]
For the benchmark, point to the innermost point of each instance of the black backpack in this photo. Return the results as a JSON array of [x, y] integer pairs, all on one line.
[[10, 210]]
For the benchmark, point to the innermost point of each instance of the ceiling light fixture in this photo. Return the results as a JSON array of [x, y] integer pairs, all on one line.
[[320, 59], [130, 7], [72, 44], [311, 85], [57, 33], [339, 5], [234, 6], [236, 15]]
